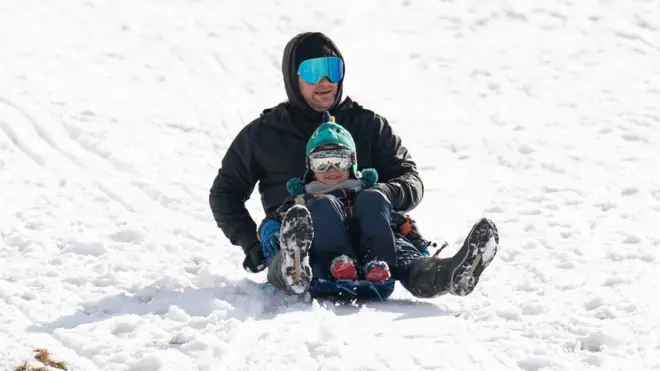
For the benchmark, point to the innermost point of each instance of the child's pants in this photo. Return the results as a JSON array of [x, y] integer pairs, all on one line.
[[374, 239]]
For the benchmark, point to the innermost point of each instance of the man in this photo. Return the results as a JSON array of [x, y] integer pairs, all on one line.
[[271, 150]]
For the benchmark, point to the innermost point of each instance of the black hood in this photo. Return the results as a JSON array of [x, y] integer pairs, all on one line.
[[304, 46]]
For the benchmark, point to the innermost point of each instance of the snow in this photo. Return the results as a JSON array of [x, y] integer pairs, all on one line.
[[489, 249], [543, 116]]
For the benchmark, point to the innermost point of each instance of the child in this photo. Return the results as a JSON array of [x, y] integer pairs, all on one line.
[[353, 238], [350, 231]]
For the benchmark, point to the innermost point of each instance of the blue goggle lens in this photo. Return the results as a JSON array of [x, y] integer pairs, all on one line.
[[315, 69]]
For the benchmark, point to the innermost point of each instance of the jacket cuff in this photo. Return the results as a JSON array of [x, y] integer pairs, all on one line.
[[393, 193], [385, 189]]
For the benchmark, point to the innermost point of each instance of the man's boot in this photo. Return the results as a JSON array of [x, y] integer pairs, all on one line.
[[432, 276]]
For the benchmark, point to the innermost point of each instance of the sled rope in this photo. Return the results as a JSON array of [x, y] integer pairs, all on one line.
[[348, 290], [371, 286]]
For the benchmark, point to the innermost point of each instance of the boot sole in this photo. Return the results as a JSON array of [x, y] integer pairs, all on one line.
[[482, 243], [296, 235]]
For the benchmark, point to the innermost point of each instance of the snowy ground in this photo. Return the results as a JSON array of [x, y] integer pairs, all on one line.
[[543, 115]]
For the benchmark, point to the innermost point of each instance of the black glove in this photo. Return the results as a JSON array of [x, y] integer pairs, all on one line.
[[254, 261]]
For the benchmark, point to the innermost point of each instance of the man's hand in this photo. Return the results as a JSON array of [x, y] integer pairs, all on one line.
[[254, 261]]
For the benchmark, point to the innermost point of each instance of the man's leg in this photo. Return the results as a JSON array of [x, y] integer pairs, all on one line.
[[428, 277], [415, 271]]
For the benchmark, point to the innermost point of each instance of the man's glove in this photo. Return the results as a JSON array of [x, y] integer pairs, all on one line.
[[270, 239], [254, 261]]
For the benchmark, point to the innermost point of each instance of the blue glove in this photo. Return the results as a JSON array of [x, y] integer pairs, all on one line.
[[270, 239]]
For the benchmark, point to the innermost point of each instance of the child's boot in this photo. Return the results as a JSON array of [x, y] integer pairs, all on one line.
[[377, 271], [343, 268]]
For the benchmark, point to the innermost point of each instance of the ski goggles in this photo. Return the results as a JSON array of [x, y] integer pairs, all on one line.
[[322, 161], [315, 69]]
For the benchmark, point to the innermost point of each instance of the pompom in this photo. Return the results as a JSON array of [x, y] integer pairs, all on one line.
[[369, 177], [295, 187]]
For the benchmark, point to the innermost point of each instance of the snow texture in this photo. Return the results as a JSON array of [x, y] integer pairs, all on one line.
[[542, 116]]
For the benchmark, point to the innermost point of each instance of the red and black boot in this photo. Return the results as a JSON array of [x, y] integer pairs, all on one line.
[[343, 268], [377, 271]]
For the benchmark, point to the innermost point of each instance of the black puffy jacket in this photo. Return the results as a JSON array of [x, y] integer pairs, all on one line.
[[271, 149]]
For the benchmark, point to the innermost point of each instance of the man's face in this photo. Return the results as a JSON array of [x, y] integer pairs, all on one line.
[[319, 96]]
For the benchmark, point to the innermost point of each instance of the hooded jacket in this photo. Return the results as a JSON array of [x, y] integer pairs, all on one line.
[[271, 149], [305, 46]]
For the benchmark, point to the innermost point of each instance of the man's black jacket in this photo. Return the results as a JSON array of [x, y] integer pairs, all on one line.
[[271, 150]]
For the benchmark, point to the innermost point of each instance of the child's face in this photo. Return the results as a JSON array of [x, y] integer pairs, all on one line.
[[332, 177]]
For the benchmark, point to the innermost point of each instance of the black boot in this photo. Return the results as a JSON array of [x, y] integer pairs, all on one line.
[[431, 276]]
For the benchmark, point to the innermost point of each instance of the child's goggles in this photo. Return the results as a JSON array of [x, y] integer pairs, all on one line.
[[322, 161], [315, 69]]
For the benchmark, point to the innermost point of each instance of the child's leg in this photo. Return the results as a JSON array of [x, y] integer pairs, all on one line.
[[372, 211], [331, 238], [290, 269]]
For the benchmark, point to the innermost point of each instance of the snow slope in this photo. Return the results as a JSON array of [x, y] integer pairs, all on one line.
[[114, 116]]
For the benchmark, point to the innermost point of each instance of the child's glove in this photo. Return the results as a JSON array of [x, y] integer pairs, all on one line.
[[270, 239]]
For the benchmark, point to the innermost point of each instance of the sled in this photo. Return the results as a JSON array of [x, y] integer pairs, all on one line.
[[361, 290]]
